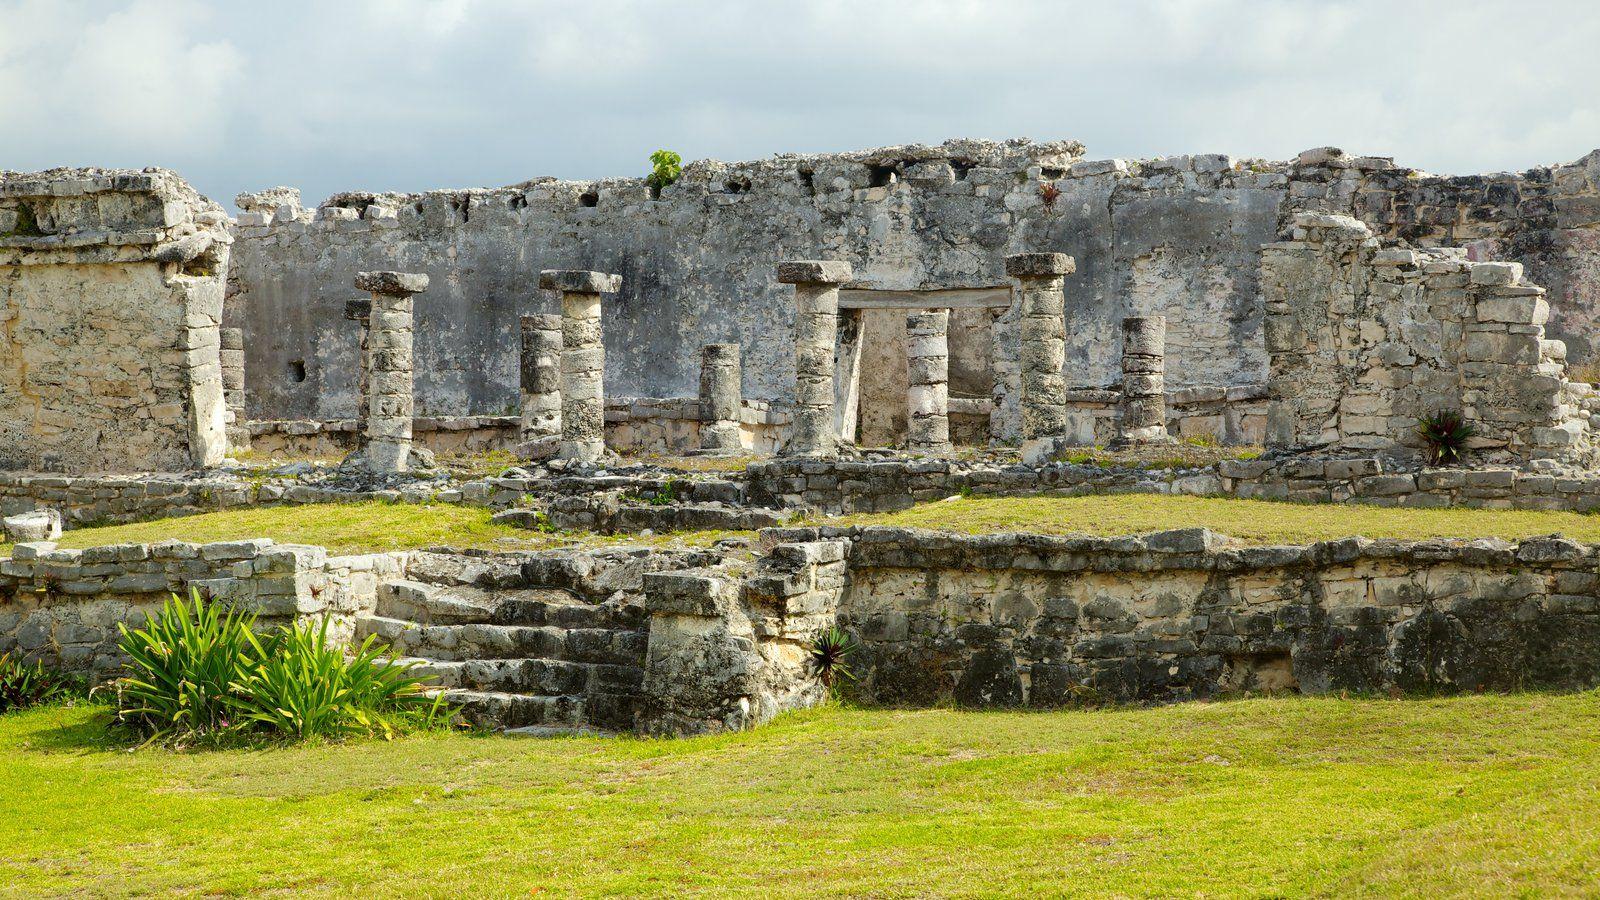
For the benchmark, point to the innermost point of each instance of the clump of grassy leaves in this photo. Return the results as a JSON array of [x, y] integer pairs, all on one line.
[[198, 674]]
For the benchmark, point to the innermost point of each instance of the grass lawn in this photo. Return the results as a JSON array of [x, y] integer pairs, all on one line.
[[352, 528], [362, 527], [1256, 521], [1471, 796]]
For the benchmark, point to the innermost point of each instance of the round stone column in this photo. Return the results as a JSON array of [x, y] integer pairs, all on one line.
[[720, 397], [928, 376], [816, 328], [583, 360], [390, 406], [1144, 389], [1042, 350], [541, 376]]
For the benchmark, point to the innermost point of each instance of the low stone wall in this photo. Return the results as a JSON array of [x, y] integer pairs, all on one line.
[[850, 486], [633, 425], [1231, 416], [63, 606], [1024, 619], [121, 498]]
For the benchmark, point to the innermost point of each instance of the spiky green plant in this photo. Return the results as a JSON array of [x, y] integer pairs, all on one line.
[[830, 656], [182, 666], [305, 687], [196, 673], [24, 684], [1444, 436]]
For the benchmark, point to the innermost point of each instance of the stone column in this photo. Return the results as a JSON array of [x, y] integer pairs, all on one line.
[[541, 377], [390, 405], [720, 397], [928, 374], [1043, 348], [583, 360], [238, 430], [1144, 389], [359, 311], [816, 327]]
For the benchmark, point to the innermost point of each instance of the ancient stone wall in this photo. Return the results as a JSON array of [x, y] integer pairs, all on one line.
[[1177, 236], [111, 288], [1366, 341], [729, 646], [1016, 619], [634, 425], [63, 606]]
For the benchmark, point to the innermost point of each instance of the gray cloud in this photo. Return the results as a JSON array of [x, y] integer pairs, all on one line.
[[417, 94]]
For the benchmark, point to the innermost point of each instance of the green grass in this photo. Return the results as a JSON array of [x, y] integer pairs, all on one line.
[[351, 528], [1256, 521], [1471, 796]]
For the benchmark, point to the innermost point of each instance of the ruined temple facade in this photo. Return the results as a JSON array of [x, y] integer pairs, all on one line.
[[1178, 237]]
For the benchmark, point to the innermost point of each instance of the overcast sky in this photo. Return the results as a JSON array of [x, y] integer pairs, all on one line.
[[330, 95]]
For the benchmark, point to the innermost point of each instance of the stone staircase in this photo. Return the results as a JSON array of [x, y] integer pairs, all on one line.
[[536, 644]]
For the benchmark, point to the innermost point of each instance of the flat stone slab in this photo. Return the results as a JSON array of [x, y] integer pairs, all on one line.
[[579, 281], [37, 525], [815, 271], [1035, 264], [392, 282]]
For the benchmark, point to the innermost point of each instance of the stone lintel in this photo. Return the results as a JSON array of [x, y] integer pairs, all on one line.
[[579, 281], [392, 283], [1032, 265], [815, 271]]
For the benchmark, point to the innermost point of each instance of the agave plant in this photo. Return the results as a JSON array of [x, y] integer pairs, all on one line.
[[830, 654], [303, 687], [24, 684], [182, 666], [195, 672], [1444, 435]]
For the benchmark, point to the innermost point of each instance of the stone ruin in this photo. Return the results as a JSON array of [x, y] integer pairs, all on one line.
[[111, 290], [860, 332]]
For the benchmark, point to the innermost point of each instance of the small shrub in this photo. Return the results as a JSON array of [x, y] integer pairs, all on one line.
[[25, 684], [302, 687], [668, 166], [669, 493], [196, 673], [1444, 435], [1049, 194], [830, 656], [182, 668]]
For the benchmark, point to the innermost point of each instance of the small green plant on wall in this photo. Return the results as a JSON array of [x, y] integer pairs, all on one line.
[[1444, 436], [830, 657], [667, 167]]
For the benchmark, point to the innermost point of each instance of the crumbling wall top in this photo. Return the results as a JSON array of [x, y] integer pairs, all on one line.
[[92, 215]]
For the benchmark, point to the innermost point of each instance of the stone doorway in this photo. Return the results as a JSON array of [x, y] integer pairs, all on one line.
[[880, 389]]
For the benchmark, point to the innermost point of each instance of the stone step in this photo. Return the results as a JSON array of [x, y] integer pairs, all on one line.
[[488, 641], [432, 604], [501, 710], [529, 676], [558, 608]]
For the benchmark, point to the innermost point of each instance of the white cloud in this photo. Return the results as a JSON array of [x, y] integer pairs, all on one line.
[[413, 94]]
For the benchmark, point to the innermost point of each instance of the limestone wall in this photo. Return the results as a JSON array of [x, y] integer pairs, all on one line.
[[729, 645], [111, 288], [1012, 619], [63, 606], [1366, 341], [1177, 236]]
